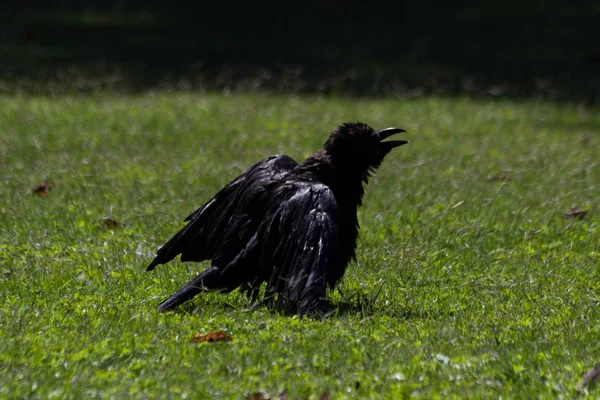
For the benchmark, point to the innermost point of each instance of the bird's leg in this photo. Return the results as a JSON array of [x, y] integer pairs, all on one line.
[[255, 293], [246, 289], [269, 298], [251, 290]]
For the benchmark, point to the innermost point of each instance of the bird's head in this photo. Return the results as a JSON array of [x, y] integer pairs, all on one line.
[[357, 145]]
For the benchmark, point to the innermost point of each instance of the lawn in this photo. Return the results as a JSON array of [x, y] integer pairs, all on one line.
[[470, 281]]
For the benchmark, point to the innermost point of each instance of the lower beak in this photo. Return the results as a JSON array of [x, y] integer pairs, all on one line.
[[393, 143], [385, 133]]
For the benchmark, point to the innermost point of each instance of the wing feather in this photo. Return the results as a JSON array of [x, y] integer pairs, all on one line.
[[219, 229], [304, 249]]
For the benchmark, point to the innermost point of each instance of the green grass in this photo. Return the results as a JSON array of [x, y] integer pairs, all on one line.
[[463, 287]]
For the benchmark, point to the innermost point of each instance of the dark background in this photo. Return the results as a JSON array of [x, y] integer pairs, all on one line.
[[480, 48]]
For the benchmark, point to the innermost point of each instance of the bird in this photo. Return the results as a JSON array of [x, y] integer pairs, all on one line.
[[292, 225]]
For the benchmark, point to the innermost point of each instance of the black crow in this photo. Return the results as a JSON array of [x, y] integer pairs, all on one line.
[[291, 225]]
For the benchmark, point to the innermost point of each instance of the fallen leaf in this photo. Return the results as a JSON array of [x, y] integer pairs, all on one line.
[[42, 189], [499, 177], [258, 396], [265, 396], [590, 377], [217, 336], [576, 213], [109, 223]]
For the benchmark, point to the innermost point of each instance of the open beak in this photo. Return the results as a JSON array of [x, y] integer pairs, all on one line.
[[385, 133]]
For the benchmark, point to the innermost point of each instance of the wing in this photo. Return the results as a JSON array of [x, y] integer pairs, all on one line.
[[304, 246], [220, 229], [294, 248]]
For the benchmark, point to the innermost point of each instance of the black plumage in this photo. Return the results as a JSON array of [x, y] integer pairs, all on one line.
[[293, 226]]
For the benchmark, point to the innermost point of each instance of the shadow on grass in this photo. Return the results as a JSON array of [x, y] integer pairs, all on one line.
[[358, 304], [398, 311], [408, 49]]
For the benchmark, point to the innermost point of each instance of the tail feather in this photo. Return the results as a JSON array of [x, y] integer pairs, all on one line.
[[152, 265], [206, 281]]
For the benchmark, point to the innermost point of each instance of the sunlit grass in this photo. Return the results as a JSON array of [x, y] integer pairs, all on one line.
[[464, 286]]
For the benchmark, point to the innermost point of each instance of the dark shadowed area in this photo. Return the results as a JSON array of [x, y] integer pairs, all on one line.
[[489, 48]]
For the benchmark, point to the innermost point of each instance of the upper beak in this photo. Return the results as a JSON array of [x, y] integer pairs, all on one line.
[[385, 133]]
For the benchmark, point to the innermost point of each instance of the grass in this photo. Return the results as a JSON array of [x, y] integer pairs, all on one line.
[[464, 286]]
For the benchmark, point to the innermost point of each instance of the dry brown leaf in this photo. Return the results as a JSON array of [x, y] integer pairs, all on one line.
[[217, 336], [42, 189], [499, 177], [258, 396], [576, 213], [109, 223], [265, 396], [590, 377]]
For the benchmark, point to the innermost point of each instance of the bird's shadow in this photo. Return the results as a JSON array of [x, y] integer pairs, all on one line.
[[364, 306], [354, 304]]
